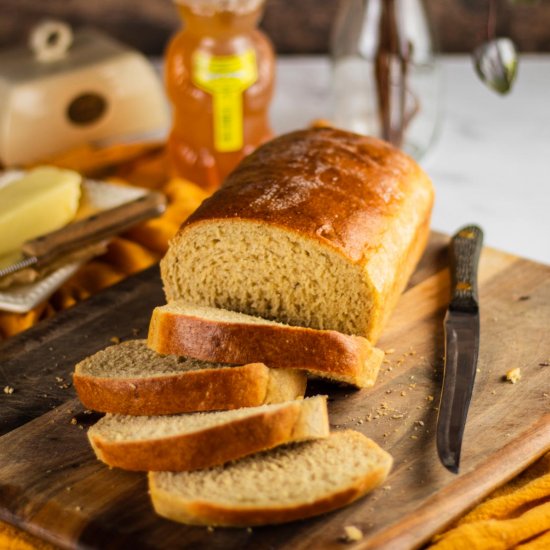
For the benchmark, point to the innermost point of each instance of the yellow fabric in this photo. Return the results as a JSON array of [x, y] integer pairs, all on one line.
[[515, 516]]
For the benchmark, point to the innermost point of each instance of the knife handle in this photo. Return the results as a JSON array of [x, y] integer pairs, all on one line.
[[465, 249], [96, 227]]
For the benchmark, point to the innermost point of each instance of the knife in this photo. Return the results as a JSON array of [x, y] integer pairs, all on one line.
[[461, 345], [93, 229]]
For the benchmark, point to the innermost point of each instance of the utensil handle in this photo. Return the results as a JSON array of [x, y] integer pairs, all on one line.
[[95, 228], [465, 249]]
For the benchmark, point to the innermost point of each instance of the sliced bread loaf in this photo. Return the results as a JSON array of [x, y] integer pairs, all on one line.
[[288, 483], [213, 334], [319, 228], [129, 378], [200, 440]]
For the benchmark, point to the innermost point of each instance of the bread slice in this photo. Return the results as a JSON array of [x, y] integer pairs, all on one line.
[[129, 378], [288, 483], [319, 228], [213, 334], [200, 440]]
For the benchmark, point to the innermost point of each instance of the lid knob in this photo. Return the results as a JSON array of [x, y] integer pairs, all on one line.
[[50, 40]]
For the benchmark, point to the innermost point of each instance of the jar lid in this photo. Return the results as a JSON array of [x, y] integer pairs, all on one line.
[[210, 7]]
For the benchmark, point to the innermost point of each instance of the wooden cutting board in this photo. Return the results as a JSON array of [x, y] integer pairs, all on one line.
[[52, 486]]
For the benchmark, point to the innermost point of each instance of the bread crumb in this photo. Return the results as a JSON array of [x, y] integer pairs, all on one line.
[[210, 529], [478, 370], [419, 423], [73, 421], [414, 437], [493, 392], [59, 379], [403, 393], [430, 398], [8, 390], [397, 416], [352, 534], [249, 529], [389, 351], [78, 508], [513, 375], [388, 392], [115, 339]]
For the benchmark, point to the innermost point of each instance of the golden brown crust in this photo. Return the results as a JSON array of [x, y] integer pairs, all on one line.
[[329, 353], [209, 513], [357, 195], [196, 390], [403, 273], [337, 187], [202, 449]]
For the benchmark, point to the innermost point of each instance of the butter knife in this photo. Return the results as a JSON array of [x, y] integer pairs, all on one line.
[[93, 229], [461, 345]]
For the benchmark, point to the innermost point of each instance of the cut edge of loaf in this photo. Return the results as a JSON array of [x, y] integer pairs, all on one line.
[[221, 388], [227, 336], [188, 254], [200, 511], [266, 426]]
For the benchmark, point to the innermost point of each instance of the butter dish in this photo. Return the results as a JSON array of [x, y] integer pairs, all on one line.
[[69, 89], [105, 209]]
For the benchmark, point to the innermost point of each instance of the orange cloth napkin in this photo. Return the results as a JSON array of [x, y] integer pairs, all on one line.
[[515, 516]]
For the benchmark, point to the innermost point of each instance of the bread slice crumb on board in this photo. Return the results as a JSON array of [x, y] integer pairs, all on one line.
[[200, 440], [213, 334], [129, 378], [292, 482]]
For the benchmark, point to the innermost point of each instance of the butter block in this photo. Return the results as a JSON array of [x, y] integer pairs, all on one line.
[[43, 200]]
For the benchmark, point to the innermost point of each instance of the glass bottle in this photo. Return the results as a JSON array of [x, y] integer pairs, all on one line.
[[385, 76], [219, 73]]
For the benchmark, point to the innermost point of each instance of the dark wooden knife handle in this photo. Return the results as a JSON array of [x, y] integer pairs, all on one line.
[[465, 249], [95, 228]]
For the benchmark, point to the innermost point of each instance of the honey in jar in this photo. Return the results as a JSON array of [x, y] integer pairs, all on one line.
[[219, 74]]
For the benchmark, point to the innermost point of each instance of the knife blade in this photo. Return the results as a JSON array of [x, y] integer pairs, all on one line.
[[93, 229], [461, 327]]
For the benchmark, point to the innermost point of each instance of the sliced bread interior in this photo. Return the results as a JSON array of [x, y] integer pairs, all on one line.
[[200, 440], [129, 378], [288, 483], [214, 334]]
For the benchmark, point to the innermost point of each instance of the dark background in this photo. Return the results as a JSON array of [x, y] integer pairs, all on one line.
[[295, 26]]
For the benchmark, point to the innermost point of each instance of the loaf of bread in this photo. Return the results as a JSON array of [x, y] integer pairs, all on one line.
[[288, 483], [129, 378], [201, 440], [318, 228], [214, 334]]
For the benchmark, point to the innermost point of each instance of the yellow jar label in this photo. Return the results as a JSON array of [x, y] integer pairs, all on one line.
[[226, 77]]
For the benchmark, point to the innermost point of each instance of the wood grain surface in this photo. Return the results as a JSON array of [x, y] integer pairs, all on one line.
[[52, 486], [294, 27]]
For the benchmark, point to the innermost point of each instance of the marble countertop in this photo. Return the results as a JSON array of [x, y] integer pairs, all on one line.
[[491, 162]]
